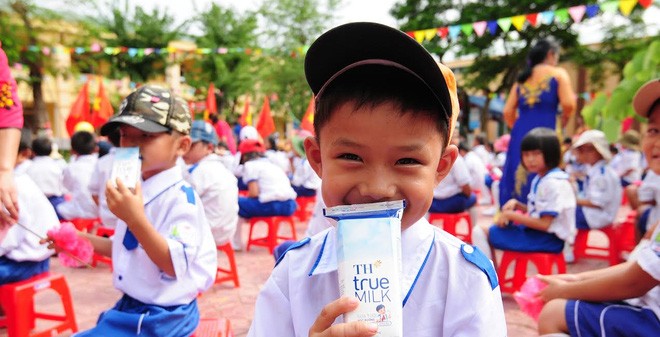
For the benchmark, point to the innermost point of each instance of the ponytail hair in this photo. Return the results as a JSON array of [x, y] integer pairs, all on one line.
[[536, 55]]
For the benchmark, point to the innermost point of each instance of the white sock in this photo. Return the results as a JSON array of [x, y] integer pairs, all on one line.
[[556, 334], [480, 240]]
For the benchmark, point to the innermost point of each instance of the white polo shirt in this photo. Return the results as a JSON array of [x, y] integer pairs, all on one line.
[[649, 260], [553, 195], [175, 211], [458, 176], [603, 188], [218, 189], [100, 176], [76, 178], [38, 215], [477, 171], [445, 294], [649, 190], [46, 172], [274, 185], [304, 175]]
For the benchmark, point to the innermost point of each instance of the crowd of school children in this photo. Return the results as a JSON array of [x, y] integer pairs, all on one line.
[[197, 191]]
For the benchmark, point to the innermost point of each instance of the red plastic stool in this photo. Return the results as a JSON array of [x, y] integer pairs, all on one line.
[[305, 208], [272, 239], [213, 327], [85, 225], [231, 274], [18, 303], [104, 232], [450, 222], [611, 252], [543, 261]]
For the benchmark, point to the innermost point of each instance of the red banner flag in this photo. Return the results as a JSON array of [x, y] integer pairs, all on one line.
[[307, 122], [265, 125], [101, 109], [79, 110], [211, 104], [246, 117]]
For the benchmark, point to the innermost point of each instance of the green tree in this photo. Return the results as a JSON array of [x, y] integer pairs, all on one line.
[[232, 73], [291, 25]]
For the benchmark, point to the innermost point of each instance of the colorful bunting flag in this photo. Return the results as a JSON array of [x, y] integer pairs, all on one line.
[[443, 31], [533, 19], [592, 10], [430, 33], [479, 27], [577, 12], [547, 17], [518, 21], [307, 122], [645, 3], [101, 108], [466, 28], [504, 23], [492, 27], [626, 6], [265, 124], [454, 31], [610, 6], [561, 15], [419, 36], [79, 110]]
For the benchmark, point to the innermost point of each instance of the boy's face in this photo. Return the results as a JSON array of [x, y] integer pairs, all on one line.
[[651, 141], [158, 151], [586, 154], [198, 150], [374, 154]]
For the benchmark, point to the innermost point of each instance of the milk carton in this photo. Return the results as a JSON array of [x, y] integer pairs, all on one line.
[[369, 262], [126, 166]]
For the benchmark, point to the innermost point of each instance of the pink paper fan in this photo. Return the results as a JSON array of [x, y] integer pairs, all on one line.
[[66, 237], [526, 297]]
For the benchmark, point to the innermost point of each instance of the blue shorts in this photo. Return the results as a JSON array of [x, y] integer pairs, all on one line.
[[130, 317], [643, 221], [251, 207], [524, 239], [14, 271], [56, 200], [587, 319], [302, 191], [242, 186], [580, 220], [488, 180], [454, 204]]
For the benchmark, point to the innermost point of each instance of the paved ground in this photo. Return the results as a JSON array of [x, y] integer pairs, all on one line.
[[93, 292]]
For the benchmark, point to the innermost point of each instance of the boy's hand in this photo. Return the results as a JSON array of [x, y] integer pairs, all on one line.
[[8, 199], [510, 205], [555, 285], [323, 327], [503, 218], [127, 205]]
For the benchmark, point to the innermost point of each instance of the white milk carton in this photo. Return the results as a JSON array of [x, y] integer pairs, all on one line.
[[126, 166], [369, 262]]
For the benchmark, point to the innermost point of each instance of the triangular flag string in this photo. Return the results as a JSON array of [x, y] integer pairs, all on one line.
[[532, 19], [626, 6], [454, 31], [466, 29], [504, 23], [592, 10], [492, 27], [479, 27], [577, 12], [518, 21], [561, 15]]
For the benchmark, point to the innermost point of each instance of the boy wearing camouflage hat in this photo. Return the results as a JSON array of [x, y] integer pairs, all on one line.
[[163, 252]]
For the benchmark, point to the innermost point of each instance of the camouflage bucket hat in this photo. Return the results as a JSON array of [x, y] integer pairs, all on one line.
[[151, 109]]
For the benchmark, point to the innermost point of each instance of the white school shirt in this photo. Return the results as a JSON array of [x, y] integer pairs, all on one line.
[[304, 175], [477, 171], [649, 260], [274, 185], [23, 167], [97, 182], [46, 172], [452, 184], [218, 189], [176, 212], [76, 178], [280, 159], [37, 214], [553, 195], [649, 190], [630, 159], [483, 154], [445, 294], [603, 188]]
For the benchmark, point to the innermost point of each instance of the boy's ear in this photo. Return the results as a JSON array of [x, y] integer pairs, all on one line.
[[313, 152], [447, 160], [184, 145]]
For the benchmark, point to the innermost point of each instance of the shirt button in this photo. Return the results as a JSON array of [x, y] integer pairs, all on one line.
[[466, 248], [120, 277]]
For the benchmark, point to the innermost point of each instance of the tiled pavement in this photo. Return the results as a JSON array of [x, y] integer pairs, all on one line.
[[92, 292]]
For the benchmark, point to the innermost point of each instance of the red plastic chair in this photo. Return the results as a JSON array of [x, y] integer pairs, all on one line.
[[450, 222], [271, 240], [305, 208], [213, 327], [17, 300], [543, 261], [618, 236], [231, 274], [104, 232], [85, 225]]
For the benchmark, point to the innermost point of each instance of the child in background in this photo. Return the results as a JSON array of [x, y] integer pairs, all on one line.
[[602, 190], [622, 300], [478, 172], [629, 166], [77, 176], [46, 172], [549, 216], [384, 115], [304, 181], [215, 185], [454, 194], [163, 252], [100, 176], [24, 158], [276, 155], [21, 254], [226, 158]]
